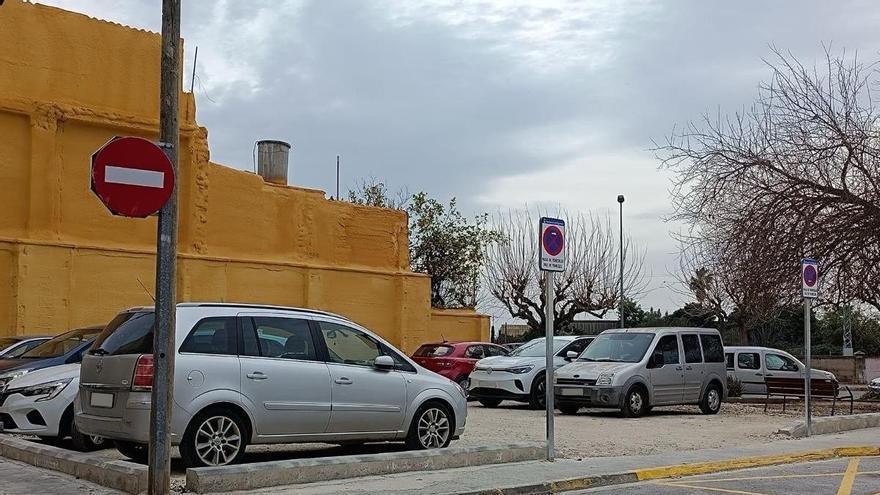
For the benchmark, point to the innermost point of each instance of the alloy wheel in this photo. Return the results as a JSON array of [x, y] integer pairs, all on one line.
[[714, 399], [635, 402], [218, 441], [433, 428]]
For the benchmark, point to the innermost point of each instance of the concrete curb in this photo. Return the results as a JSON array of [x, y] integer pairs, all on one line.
[[298, 471], [833, 424], [676, 471], [120, 475]]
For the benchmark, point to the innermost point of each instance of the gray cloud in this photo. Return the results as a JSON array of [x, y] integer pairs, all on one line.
[[498, 103]]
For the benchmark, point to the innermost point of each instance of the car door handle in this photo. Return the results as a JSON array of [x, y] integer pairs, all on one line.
[[689, 368], [343, 380], [759, 374], [769, 374], [678, 368], [257, 375]]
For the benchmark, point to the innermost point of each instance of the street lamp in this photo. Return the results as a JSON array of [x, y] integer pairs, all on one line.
[[620, 200]]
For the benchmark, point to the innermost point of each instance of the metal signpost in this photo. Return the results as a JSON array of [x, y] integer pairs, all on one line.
[[809, 291], [135, 177], [551, 260]]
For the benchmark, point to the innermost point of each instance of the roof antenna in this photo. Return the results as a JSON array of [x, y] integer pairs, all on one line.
[[145, 290]]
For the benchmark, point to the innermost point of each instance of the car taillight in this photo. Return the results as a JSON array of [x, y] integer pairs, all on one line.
[[143, 374]]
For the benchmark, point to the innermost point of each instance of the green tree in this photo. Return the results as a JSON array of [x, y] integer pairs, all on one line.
[[442, 242]]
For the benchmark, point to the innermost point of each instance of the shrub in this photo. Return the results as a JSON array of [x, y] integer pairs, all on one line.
[[734, 387]]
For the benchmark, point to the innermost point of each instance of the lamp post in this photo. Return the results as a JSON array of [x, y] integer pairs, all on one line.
[[620, 200]]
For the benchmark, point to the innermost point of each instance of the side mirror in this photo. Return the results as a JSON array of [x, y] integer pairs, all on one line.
[[571, 356], [384, 363]]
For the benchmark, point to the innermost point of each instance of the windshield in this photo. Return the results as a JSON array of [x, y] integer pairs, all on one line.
[[430, 350], [536, 348], [62, 344], [618, 348]]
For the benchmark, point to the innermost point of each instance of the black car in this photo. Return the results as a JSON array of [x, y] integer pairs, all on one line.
[[64, 349]]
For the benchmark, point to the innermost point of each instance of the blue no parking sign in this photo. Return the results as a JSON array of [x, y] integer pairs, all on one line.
[[552, 244]]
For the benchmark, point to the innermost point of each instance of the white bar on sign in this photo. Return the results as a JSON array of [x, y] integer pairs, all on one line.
[[134, 176]]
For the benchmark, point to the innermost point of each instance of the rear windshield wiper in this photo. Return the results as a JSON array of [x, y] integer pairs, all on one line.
[[98, 352]]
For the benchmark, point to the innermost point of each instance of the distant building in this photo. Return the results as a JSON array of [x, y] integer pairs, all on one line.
[[590, 327], [517, 333]]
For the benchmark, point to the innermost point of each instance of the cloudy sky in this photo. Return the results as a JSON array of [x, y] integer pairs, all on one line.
[[499, 103]]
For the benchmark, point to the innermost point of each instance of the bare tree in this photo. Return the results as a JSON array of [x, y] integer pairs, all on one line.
[[796, 175], [589, 284]]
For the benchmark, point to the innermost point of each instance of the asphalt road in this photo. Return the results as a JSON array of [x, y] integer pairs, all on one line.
[[855, 476]]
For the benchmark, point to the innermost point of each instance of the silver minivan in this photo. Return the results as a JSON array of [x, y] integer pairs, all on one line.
[[260, 374], [636, 369]]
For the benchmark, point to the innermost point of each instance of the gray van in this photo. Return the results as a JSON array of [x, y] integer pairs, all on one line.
[[635, 369]]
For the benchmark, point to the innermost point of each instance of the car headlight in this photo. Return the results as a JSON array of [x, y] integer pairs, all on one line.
[[519, 370], [5, 378], [45, 391], [604, 378]]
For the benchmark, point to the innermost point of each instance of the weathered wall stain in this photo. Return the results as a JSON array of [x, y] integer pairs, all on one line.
[[68, 83]]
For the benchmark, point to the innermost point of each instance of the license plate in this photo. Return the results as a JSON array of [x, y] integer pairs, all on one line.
[[99, 399], [571, 391]]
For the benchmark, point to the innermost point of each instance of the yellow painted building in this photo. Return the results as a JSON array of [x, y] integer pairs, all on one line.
[[68, 83]]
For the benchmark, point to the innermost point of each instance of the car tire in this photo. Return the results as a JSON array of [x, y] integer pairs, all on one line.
[[711, 401], [227, 436], [432, 427], [85, 443], [536, 394], [137, 452], [568, 409], [635, 402], [490, 403]]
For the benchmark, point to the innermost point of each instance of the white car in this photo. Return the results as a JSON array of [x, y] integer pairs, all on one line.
[[41, 403], [874, 385], [520, 376], [751, 365]]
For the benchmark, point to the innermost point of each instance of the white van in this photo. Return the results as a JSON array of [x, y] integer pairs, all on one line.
[[750, 365]]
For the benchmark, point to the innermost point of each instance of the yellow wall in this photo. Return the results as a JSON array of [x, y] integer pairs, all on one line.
[[68, 83]]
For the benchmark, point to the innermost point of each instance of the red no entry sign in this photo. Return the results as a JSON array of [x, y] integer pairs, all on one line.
[[132, 176]]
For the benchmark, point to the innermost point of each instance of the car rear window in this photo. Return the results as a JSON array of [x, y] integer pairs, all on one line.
[[434, 350], [128, 333]]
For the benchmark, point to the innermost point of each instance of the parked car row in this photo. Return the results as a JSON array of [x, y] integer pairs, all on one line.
[[249, 374], [38, 388], [633, 370]]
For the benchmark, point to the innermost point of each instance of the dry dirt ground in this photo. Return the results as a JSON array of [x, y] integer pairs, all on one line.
[[602, 432], [592, 433]]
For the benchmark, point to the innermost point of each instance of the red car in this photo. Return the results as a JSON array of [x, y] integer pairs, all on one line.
[[456, 360]]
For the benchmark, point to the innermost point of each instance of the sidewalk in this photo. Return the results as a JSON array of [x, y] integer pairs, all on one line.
[[487, 478]]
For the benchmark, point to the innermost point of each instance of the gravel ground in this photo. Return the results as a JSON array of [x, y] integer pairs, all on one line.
[[602, 432], [592, 433]]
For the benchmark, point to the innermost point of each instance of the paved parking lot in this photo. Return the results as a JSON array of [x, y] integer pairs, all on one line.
[[839, 476]]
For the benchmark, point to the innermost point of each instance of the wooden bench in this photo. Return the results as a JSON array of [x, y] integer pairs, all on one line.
[[820, 388]]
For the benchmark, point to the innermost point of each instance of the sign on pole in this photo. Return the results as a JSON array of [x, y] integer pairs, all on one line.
[[551, 259], [132, 176], [809, 291], [809, 278], [552, 252]]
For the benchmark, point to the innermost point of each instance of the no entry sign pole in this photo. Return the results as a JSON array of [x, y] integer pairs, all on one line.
[[809, 291], [551, 256], [166, 260]]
